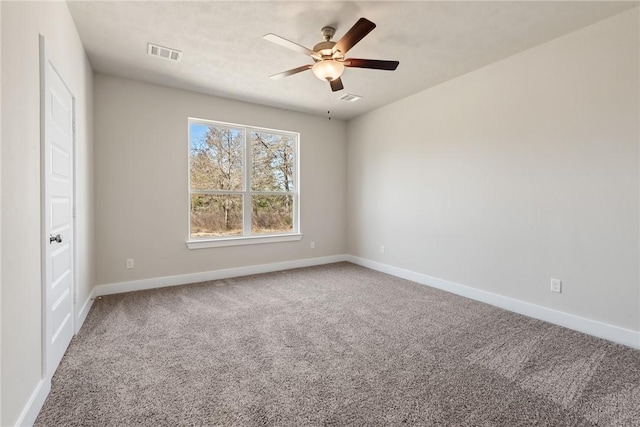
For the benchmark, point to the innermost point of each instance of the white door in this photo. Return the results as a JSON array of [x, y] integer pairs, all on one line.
[[57, 168]]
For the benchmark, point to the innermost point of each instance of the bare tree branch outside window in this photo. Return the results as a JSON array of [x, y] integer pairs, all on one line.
[[218, 176]]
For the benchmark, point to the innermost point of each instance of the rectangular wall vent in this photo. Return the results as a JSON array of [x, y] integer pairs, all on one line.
[[350, 97], [164, 52]]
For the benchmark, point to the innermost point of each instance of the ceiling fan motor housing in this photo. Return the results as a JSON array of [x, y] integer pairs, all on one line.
[[325, 49], [326, 67]]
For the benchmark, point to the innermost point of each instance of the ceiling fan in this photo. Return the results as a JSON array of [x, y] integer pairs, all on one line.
[[328, 56]]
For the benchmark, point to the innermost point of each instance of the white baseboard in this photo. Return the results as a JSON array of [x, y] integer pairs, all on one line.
[[36, 400], [592, 327], [34, 404], [183, 279], [84, 311]]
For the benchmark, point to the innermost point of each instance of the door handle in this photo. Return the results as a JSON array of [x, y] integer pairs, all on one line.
[[57, 238]]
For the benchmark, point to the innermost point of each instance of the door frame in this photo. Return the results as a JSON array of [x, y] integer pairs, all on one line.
[[47, 58]]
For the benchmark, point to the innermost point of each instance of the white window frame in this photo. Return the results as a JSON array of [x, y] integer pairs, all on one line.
[[246, 238]]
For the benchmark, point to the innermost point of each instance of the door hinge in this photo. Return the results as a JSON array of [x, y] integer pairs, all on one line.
[[73, 212], [73, 125]]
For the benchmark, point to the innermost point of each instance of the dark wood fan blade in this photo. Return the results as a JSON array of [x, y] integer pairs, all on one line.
[[376, 64], [290, 45], [291, 72], [336, 84], [354, 35]]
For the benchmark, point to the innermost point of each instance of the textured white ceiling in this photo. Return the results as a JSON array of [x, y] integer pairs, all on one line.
[[224, 53]]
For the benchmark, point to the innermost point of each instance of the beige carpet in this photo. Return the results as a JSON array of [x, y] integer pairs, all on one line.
[[333, 345]]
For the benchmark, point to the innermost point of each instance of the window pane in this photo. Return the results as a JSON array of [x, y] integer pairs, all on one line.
[[273, 162], [216, 157], [272, 214], [216, 215]]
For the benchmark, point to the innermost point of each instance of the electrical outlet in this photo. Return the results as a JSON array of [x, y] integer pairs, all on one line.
[[313, 245], [382, 249], [130, 263], [556, 285]]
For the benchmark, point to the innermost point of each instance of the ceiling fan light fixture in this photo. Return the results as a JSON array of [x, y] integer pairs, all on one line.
[[329, 56], [328, 69]]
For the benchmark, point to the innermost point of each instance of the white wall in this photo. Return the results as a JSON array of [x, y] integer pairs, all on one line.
[[0, 211], [520, 171], [22, 22], [141, 185]]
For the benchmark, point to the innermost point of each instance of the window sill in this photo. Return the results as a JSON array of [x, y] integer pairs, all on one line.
[[239, 241]]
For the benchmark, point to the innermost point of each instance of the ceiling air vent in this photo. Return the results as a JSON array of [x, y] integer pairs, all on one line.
[[164, 52], [350, 97]]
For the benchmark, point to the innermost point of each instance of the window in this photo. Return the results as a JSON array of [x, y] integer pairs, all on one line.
[[243, 184]]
